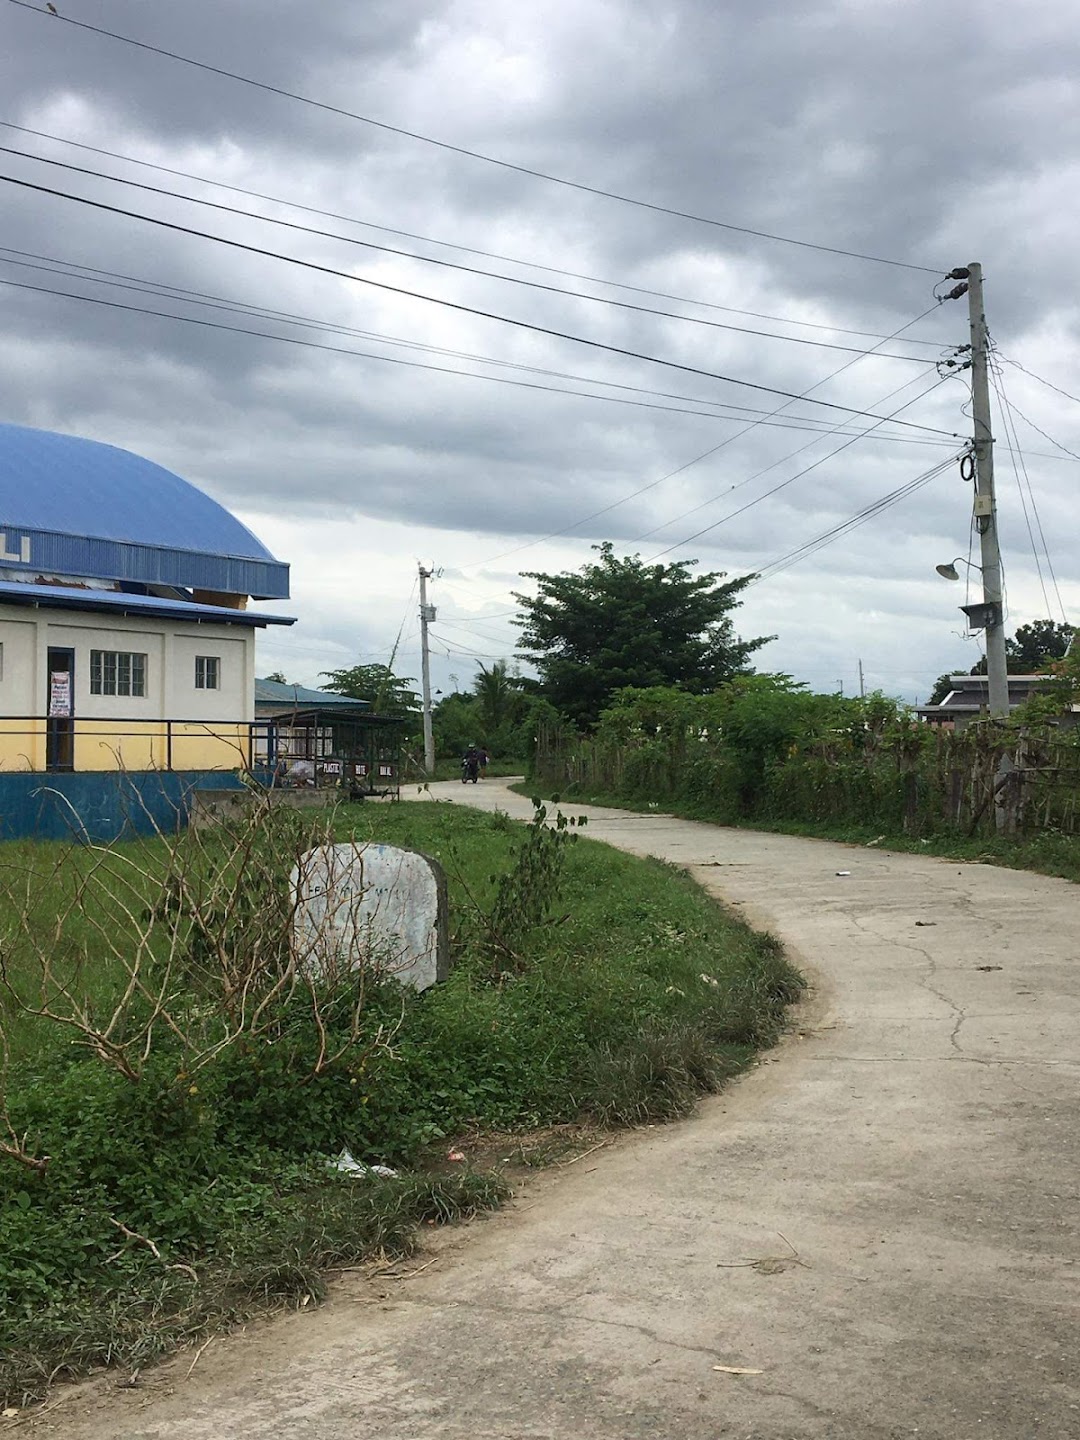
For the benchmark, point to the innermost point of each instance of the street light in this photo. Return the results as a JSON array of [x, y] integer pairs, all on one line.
[[949, 570]]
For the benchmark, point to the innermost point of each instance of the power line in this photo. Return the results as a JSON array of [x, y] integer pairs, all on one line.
[[147, 287], [1039, 430], [421, 365], [1012, 444], [810, 547], [451, 245], [1048, 383], [734, 514], [451, 264], [1018, 455], [782, 459], [707, 454], [432, 299], [463, 150]]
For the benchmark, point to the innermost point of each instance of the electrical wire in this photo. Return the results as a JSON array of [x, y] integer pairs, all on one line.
[[460, 149], [877, 507], [1042, 381], [712, 500], [734, 514], [432, 299], [806, 423], [1018, 456], [1038, 429], [1012, 445], [809, 423], [453, 265], [446, 244], [705, 455]]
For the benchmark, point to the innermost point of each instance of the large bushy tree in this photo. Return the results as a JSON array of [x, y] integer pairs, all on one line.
[[385, 692], [619, 622]]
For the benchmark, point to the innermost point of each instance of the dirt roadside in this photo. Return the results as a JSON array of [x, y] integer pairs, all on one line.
[[879, 1224]]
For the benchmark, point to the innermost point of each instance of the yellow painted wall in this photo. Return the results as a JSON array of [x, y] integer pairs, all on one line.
[[132, 745]]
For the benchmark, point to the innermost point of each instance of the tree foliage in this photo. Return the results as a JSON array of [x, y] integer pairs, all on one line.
[[385, 692], [619, 622], [497, 713]]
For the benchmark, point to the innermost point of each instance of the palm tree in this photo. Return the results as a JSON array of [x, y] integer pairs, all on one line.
[[496, 690]]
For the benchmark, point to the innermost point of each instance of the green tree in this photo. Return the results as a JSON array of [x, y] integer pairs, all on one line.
[[942, 685], [1034, 648], [278, 677], [385, 692], [617, 623], [498, 693]]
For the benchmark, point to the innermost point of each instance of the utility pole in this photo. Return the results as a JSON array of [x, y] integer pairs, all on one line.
[[985, 509], [427, 615], [862, 683]]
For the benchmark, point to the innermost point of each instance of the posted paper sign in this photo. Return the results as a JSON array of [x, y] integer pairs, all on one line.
[[59, 694]]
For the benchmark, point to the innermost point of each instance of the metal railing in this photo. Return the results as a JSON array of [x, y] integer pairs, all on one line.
[[349, 753]]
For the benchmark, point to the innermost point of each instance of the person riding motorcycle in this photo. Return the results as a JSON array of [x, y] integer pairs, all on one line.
[[470, 765]]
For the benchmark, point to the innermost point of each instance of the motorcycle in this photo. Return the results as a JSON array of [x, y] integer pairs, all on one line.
[[470, 770]]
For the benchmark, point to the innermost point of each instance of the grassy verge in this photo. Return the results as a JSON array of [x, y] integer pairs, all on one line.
[[185, 1198], [1048, 853]]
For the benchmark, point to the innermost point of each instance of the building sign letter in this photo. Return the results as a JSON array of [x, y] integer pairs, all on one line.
[[21, 556]]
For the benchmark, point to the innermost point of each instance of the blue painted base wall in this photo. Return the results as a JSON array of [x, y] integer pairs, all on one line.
[[99, 806]]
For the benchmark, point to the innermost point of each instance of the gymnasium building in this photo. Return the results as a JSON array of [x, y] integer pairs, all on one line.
[[127, 645]]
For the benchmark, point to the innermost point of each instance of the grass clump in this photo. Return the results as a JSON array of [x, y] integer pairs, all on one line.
[[176, 1081]]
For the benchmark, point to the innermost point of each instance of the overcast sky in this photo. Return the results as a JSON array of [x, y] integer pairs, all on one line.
[[916, 132]]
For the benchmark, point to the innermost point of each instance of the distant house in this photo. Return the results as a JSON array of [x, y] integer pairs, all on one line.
[[969, 699]]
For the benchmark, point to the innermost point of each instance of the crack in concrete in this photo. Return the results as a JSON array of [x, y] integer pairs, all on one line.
[[924, 981], [482, 1308]]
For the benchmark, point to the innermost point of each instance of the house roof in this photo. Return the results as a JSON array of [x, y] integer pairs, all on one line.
[[78, 507], [62, 597], [274, 692], [970, 693]]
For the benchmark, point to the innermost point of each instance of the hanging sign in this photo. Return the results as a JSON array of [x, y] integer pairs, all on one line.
[[60, 694]]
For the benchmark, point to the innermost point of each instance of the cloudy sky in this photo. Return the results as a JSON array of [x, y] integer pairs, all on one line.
[[914, 132]]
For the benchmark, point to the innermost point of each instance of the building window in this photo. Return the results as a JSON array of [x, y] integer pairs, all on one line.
[[117, 672], [207, 672]]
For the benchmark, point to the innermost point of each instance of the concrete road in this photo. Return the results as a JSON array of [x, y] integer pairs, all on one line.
[[879, 1222]]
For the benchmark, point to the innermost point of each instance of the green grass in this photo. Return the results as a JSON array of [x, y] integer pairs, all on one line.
[[637, 995], [1048, 852]]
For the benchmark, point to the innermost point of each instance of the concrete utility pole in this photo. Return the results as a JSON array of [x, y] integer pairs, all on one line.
[[862, 683], [427, 615], [985, 505]]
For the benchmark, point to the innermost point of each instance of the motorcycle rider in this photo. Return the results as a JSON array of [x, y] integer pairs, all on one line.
[[470, 764]]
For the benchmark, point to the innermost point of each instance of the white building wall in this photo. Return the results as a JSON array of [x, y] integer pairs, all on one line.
[[139, 739]]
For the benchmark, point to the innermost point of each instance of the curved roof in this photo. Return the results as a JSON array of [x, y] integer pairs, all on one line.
[[84, 508]]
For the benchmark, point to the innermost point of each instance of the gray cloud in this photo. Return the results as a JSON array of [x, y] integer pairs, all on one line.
[[915, 132]]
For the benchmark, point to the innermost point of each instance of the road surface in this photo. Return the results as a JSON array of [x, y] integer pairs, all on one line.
[[879, 1223]]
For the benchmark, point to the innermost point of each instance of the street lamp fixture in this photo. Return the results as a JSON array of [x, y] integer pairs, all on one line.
[[949, 570]]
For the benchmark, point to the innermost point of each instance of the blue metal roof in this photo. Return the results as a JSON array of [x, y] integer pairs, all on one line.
[[275, 692], [61, 597], [77, 507]]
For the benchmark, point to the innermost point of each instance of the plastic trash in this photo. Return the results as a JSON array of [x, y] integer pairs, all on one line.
[[843, 872], [346, 1164]]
